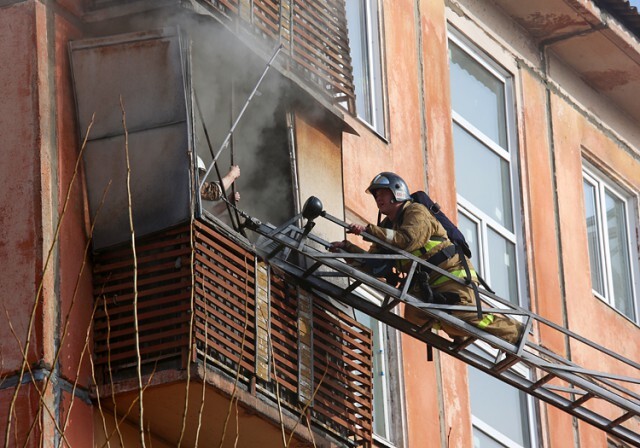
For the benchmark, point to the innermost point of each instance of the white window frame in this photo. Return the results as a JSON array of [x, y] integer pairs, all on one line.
[[377, 298], [484, 221], [602, 183], [466, 207], [489, 430], [375, 76]]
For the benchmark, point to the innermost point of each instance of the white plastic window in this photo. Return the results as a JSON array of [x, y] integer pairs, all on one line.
[[363, 20], [612, 254], [384, 384], [484, 137]]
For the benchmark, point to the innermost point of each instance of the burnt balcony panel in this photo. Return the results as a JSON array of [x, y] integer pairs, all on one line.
[[217, 327]]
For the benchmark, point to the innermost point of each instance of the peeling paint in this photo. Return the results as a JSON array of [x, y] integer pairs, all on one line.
[[550, 24], [608, 80]]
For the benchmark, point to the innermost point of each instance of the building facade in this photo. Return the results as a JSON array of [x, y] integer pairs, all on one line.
[[136, 313]]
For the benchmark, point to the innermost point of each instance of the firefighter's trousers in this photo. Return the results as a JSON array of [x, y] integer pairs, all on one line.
[[498, 325]]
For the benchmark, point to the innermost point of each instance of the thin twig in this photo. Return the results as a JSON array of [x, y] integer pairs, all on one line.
[[313, 439], [130, 408], [235, 444], [135, 275], [73, 300], [93, 377], [304, 410], [192, 310], [85, 349], [275, 380], [36, 302], [111, 383], [38, 390], [244, 338]]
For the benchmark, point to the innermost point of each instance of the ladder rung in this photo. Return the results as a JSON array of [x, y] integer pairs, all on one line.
[[351, 287], [621, 419], [580, 401], [426, 326], [313, 267], [542, 381], [506, 363], [463, 344], [390, 306]]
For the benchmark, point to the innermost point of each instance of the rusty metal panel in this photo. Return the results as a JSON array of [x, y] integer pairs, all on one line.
[[305, 347], [263, 322], [146, 70]]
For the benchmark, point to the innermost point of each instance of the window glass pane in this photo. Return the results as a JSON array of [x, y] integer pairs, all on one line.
[[376, 72], [619, 254], [478, 96], [509, 418], [366, 60], [482, 177], [481, 440], [593, 238], [470, 231], [380, 387], [502, 262], [356, 18]]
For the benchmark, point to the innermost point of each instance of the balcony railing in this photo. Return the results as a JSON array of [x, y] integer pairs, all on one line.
[[248, 324], [314, 32]]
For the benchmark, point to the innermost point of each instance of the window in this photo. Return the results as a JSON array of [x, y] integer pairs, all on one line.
[[363, 20], [494, 426], [612, 256], [486, 166], [484, 138], [387, 407]]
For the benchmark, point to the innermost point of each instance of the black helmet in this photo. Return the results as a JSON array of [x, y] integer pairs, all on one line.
[[393, 182]]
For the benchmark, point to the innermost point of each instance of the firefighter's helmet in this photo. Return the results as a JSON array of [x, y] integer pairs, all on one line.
[[393, 182]]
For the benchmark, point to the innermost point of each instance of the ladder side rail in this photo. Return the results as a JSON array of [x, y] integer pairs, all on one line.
[[566, 362], [334, 263], [483, 292], [508, 376], [390, 290]]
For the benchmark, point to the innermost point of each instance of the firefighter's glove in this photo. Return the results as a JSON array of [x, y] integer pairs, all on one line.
[[356, 229], [421, 279], [337, 246]]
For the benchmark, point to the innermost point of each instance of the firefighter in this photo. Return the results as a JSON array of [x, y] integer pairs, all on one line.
[[212, 191], [411, 227]]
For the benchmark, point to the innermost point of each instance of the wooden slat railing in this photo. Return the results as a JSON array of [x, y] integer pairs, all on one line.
[[314, 32], [223, 329]]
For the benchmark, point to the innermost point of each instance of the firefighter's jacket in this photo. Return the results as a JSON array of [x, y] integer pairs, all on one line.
[[416, 231]]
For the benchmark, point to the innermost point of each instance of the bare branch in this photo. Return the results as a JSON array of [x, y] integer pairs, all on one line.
[[135, 275]]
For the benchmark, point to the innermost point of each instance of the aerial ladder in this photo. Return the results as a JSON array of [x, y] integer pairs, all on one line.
[[606, 400]]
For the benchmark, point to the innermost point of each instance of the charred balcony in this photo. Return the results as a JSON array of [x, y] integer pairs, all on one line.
[[211, 315]]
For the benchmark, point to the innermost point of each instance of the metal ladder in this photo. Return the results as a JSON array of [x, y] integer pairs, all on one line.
[[600, 398]]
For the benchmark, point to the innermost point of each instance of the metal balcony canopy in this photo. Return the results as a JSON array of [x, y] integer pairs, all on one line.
[[149, 71], [603, 399]]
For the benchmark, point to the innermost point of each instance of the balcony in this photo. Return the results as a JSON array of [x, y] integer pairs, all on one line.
[[211, 315], [312, 32]]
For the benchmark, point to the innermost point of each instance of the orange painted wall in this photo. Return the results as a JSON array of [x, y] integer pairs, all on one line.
[[575, 140], [21, 250], [39, 148], [75, 268]]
